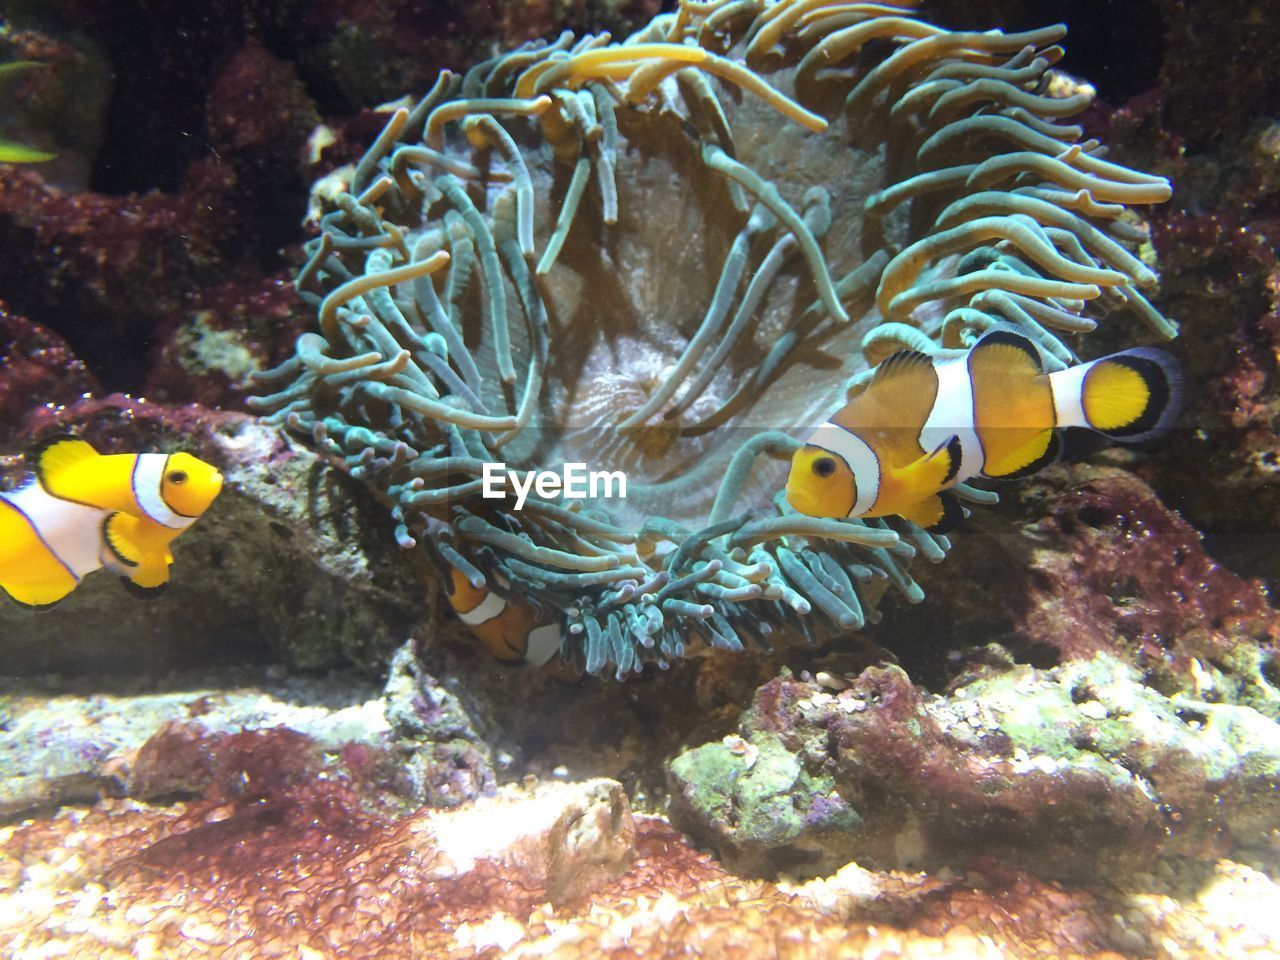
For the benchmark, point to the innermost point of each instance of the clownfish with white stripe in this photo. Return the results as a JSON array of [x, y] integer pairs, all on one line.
[[509, 629], [922, 424], [84, 511]]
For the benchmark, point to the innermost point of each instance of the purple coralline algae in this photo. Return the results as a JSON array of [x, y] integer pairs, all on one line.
[[1073, 772]]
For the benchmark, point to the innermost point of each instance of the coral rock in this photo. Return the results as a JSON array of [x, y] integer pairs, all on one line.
[[1077, 772], [286, 563], [1088, 559], [206, 351], [36, 368], [61, 744], [568, 838]]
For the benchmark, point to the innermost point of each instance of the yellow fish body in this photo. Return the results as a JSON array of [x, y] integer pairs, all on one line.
[[923, 424], [85, 511]]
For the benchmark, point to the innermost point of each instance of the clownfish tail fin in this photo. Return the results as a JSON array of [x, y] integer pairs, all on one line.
[[1131, 396]]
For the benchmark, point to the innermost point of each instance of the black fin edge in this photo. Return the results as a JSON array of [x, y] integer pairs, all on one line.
[[955, 450], [37, 451], [1052, 453], [106, 538], [953, 512], [142, 593], [1165, 401], [890, 363], [33, 607], [1014, 339]]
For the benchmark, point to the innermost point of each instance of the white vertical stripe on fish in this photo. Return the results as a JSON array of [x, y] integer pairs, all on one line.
[[1068, 395], [952, 415], [861, 459], [543, 644], [148, 484], [485, 610]]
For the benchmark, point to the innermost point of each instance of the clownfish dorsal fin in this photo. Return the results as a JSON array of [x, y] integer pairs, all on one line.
[[1009, 349], [933, 471], [901, 365], [56, 456]]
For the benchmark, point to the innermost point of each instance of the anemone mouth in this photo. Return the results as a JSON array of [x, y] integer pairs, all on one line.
[[671, 257]]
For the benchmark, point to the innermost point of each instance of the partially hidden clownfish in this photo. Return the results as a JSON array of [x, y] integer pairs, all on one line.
[[509, 629], [923, 424], [84, 511]]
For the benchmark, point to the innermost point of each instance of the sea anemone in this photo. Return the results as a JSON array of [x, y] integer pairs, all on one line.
[[671, 256]]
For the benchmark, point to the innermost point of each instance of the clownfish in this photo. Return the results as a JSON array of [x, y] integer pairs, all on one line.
[[508, 629], [923, 424], [85, 510]]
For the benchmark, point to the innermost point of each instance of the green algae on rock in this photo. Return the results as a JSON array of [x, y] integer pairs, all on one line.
[[1074, 772], [765, 798], [668, 256]]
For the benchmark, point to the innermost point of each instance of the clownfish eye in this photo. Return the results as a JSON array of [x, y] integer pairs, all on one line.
[[824, 466], [177, 476]]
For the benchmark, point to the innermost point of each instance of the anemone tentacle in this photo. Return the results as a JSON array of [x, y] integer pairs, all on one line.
[[671, 255]]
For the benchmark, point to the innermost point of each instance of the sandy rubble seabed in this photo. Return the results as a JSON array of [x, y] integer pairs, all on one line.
[[555, 870]]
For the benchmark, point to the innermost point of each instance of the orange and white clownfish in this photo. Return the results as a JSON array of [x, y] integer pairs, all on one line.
[[510, 630], [923, 424], [85, 510]]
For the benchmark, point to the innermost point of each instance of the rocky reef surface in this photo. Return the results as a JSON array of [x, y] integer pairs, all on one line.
[[292, 566], [1071, 749]]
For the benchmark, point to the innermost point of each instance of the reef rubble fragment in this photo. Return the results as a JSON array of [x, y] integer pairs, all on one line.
[[1074, 772]]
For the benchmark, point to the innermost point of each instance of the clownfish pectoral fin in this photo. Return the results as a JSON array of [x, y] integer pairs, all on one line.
[[1041, 450], [952, 513], [926, 513], [144, 568], [39, 596], [937, 514], [934, 471], [153, 572], [58, 454], [122, 553]]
